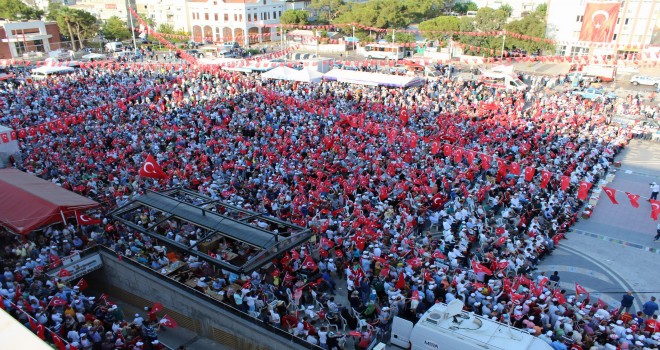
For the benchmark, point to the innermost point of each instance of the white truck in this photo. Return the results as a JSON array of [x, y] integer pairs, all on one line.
[[600, 72], [501, 80], [447, 326]]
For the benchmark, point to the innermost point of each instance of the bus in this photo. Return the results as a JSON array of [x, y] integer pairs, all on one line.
[[384, 51]]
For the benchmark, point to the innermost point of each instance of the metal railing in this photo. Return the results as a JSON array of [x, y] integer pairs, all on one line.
[[186, 289]]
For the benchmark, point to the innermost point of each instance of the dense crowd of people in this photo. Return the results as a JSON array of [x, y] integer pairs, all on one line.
[[451, 190]]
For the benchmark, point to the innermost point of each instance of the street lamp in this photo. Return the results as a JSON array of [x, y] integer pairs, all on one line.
[[502, 53]]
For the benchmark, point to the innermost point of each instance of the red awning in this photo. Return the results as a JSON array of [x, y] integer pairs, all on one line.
[[28, 202]]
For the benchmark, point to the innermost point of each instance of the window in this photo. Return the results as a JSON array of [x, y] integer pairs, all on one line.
[[280, 14], [216, 16], [206, 16], [226, 17], [618, 20], [249, 17], [579, 19], [626, 22], [240, 17], [614, 37], [235, 17], [274, 15]]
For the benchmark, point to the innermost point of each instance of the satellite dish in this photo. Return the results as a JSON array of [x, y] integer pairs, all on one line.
[[455, 307]]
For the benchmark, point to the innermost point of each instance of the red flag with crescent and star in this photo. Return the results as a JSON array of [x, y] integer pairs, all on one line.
[[634, 198], [598, 21], [84, 219], [611, 194], [151, 169], [545, 178], [565, 182], [529, 173], [584, 190], [655, 208]]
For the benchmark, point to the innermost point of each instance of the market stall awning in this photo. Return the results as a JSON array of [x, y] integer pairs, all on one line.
[[28, 202]]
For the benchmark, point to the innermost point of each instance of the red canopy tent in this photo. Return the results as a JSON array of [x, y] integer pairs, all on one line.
[[28, 202]]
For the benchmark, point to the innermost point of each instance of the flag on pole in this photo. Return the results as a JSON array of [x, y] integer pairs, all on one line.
[[84, 220], [580, 290], [634, 199], [151, 169], [611, 194], [167, 321]]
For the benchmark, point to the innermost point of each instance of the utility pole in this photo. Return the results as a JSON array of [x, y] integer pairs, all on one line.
[[130, 18], [503, 40]]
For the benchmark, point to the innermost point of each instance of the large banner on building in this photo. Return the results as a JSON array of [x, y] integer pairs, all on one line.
[[599, 21]]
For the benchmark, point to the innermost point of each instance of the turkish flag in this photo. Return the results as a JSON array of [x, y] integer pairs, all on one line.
[[515, 168], [485, 162], [167, 321], [385, 271], [545, 178], [560, 297], [151, 169], [477, 267], [58, 342], [634, 198], [295, 255], [401, 282], [309, 263], [57, 301], [286, 259], [436, 201], [84, 220], [580, 290], [501, 167], [435, 147], [275, 273], [599, 21], [529, 173], [470, 156], [41, 331], [414, 262], [82, 284], [438, 255], [655, 209], [611, 193], [33, 324], [447, 151], [583, 192], [565, 182], [403, 116], [327, 242], [64, 273], [516, 298], [5, 137], [500, 241], [157, 307], [458, 155], [524, 280]]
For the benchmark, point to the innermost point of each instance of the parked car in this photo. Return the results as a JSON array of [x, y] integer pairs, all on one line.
[[595, 94], [644, 80], [195, 53]]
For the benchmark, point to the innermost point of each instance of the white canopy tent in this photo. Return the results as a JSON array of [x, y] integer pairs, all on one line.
[[14, 335], [308, 75], [285, 73], [281, 73], [373, 79]]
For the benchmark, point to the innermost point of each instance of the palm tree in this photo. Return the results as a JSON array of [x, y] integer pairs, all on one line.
[[68, 15]]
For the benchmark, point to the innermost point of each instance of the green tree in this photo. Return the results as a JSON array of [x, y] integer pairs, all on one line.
[[464, 7], [65, 17], [85, 24], [295, 17], [488, 19], [326, 10], [507, 9], [377, 13], [116, 29], [532, 25], [17, 10], [421, 10], [433, 28], [542, 10]]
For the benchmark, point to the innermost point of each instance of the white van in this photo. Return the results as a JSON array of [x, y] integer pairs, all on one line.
[[114, 46], [42, 73], [447, 326], [502, 81]]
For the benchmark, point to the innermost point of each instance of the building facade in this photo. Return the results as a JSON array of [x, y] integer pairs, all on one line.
[[595, 28], [104, 9], [28, 37], [170, 12], [235, 20]]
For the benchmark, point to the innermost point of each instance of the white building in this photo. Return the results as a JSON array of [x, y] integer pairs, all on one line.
[[171, 12], [233, 20], [633, 29], [519, 7], [103, 9]]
